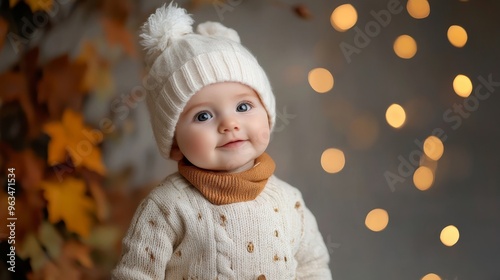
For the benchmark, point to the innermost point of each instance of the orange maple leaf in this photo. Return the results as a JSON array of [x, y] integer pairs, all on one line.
[[71, 137], [67, 202]]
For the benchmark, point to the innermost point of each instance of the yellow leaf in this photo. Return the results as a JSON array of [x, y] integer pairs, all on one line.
[[71, 136], [67, 202]]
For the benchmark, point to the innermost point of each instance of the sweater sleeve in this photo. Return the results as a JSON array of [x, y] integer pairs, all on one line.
[[312, 256], [148, 244]]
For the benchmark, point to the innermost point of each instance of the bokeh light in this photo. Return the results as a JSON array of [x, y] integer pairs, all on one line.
[[332, 160], [450, 235], [457, 36], [418, 9], [344, 17], [320, 79], [462, 85], [377, 220], [431, 276], [395, 115], [405, 46], [423, 178], [433, 147]]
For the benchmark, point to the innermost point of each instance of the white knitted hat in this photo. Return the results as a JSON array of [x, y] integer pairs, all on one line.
[[182, 62]]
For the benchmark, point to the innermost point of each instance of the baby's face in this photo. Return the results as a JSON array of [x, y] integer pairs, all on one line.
[[223, 127]]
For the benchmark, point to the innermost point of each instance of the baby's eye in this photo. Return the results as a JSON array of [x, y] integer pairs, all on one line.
[[203, 116], [243, 107]]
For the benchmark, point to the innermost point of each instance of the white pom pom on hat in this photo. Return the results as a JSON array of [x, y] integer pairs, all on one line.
[[182, 62]]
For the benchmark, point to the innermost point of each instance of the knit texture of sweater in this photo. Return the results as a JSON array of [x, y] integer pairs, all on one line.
[[176, 233]]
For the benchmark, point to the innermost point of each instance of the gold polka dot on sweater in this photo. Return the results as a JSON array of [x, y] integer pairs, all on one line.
[[276, 258], [297, 205], [261, 277], [250, 247], [223, 219], [178, 253], [276, 233]]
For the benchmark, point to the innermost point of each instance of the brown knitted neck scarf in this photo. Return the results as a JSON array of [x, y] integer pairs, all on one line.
[[225, 188]]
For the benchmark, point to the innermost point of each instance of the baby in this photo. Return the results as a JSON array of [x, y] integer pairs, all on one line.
[[223, 215]]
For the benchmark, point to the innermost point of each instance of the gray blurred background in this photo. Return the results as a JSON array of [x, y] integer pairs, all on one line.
[[351, 117]]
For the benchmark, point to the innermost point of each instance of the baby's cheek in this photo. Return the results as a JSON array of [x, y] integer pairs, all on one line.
[[200, 142], [263, 137]]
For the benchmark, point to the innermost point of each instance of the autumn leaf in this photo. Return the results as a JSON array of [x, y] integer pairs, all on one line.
[[71, 137], [67, 202], [4, 27], [62, 85], [98, 77], [117, 34]]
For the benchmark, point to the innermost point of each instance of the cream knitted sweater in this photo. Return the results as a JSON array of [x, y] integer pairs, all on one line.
[[177, 234]]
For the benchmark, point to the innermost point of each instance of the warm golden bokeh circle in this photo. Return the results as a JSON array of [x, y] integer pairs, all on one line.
[[405, 46], [418, 9], [423, 178], [431, 276], [450, 235], [332, 160], [377, 219], [433, 147], [462, 85], [457, 36], [344, 17], [395, 115], [320, 80]]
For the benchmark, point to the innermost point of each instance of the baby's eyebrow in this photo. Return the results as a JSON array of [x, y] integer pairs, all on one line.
[[246, 94], [202, 104]]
